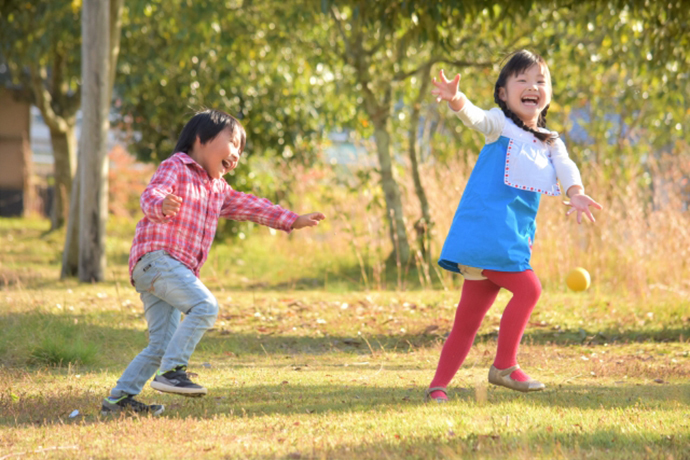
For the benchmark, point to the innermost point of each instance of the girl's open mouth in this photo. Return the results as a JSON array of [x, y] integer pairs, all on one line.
[[530, 100]]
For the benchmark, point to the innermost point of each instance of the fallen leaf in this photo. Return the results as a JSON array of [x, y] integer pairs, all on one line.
[[430, 329]]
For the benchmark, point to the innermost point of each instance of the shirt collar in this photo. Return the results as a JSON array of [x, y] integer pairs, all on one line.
[[186, 159]]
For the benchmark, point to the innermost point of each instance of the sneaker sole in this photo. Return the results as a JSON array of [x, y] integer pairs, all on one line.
[[159, 411], [108, 413], [189, 392]]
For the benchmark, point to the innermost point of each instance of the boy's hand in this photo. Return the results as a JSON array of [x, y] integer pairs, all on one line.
[[171, 205], [447, 90], [308, 220], [580, 202]]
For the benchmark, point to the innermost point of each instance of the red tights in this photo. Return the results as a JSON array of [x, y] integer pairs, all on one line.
[[475, 301]]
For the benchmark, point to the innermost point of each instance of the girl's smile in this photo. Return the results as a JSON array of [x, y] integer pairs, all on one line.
[[528, 93]]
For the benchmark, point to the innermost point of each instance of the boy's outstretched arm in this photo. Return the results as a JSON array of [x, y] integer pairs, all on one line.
[[308, 220]]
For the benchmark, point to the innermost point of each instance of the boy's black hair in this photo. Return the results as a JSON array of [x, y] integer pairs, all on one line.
[[519, 62], [206, 125]]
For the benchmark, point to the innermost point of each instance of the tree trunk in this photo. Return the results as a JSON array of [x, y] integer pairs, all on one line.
[[424, 224], [391, 192], [70, 254], [64, 145], [28, 192], [94, 167]]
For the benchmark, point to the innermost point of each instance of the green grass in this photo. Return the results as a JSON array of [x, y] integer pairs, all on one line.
[[297, 371]]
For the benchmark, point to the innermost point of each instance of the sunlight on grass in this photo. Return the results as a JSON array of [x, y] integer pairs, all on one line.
[[305, 363]]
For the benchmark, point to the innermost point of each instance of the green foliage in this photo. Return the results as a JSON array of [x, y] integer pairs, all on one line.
[[36, 338], [248, 59], [62, 350], [44, 36]]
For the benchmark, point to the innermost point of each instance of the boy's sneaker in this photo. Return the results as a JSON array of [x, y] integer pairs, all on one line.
[[129, 404], [177, 381]]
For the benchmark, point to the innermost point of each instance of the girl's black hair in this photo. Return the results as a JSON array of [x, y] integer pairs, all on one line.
[[206, 125], [519, 62]]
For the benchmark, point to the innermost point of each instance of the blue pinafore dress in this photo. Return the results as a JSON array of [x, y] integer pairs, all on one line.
[[495, 223]]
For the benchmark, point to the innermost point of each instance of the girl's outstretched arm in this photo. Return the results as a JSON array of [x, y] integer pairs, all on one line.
[[447, 90], [581, 203]]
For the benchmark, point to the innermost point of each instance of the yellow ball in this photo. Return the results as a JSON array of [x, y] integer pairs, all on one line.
[[578, 279]]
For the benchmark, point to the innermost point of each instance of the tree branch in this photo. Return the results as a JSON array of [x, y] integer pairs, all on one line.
[[347, 52], [44, 99], [115, 33]]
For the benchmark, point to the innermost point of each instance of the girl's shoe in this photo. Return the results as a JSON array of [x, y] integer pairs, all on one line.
[[502, 377], [428, 391]]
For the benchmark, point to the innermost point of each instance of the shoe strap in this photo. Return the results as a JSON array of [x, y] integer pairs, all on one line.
[[508, 371], [428, 391]]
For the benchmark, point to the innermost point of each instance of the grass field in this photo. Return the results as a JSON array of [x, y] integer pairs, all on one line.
[[303, 364]]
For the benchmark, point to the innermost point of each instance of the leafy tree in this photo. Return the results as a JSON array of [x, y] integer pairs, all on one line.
[[386, 45], [38, 40], [256, 60]]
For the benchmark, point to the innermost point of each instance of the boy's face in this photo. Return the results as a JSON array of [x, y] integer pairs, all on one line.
[[219, 155], [528, 93]]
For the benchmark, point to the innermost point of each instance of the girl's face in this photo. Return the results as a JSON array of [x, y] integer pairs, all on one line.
[[219, 155], [528, 93]]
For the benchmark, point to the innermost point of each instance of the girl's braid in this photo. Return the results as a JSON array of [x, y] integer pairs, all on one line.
[[545, 137]]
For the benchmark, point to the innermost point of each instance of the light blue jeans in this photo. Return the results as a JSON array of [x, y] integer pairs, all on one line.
[[168, 288]]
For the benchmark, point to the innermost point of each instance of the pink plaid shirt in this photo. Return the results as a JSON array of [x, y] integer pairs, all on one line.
[[188, 235]]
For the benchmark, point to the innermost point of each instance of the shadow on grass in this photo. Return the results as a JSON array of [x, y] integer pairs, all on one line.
[[582, 336], [22, 333], [258, 400], [404, 343]]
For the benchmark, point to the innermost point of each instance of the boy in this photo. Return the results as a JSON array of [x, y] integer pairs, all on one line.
[[181, 205]]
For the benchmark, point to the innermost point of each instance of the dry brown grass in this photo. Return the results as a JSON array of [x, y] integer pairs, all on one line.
[[640, 243]]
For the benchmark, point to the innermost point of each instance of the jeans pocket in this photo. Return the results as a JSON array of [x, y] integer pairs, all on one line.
[[147, 274]]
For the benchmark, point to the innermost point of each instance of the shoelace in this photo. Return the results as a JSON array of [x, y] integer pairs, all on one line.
[[136, 404], [183, 376]]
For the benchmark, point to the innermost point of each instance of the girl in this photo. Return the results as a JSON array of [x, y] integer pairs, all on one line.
[[181, 205], [490, 239]]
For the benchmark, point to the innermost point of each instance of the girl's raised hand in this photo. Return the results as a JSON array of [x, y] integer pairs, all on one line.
[[446, 90], [581, 203]]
